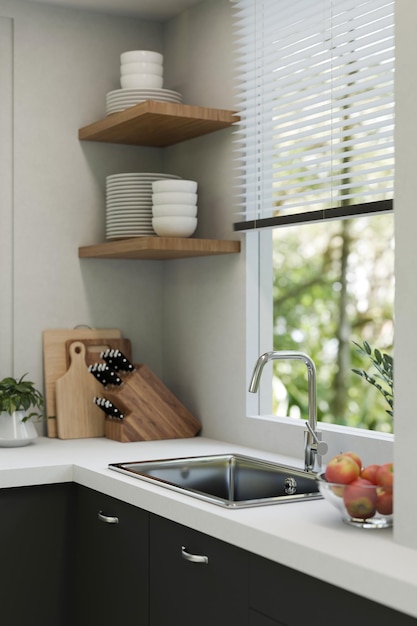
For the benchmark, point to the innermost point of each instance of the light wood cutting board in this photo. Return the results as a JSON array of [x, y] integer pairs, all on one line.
[[55, 361], [77, 415]]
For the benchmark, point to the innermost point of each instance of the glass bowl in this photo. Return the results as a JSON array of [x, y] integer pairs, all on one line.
[[360, 504]]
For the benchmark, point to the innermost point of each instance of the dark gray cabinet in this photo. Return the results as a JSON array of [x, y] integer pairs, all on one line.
[[111, 584], [71, 555], [195, 579], [282, 596], [36, 548]]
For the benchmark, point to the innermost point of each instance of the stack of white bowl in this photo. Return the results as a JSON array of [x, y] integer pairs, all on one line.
[[141, 69], [174, 207], [141, 78]]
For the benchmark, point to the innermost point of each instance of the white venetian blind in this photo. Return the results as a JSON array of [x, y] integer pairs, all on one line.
[[315, 85]]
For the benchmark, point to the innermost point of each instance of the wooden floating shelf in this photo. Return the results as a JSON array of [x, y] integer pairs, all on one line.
[[159, 124], [158, 248]]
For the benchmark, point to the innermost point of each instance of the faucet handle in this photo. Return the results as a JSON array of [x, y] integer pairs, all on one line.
[[320, 447]]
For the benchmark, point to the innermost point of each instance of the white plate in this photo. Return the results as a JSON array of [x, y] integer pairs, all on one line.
[[122, 211], [131, 205], [153, 234], [129, 218], [140, 185], [122, 193], [136, 176], [137, 99], [148, 91], [132, 233], [117, 201], [128, 198], [146, 225], [132, 230], [133, 101], [142, 217]]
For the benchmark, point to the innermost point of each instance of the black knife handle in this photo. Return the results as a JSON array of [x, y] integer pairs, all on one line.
[[105, 375], [117, 360], [108, 407]]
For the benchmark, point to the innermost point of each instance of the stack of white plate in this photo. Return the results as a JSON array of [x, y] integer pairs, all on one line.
[[129, 204], [121, 99]]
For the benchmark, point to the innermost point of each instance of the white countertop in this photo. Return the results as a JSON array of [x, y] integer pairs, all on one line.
[[307, 536]]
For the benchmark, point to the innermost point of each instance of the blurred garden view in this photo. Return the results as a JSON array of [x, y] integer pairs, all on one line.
[[333, 285]]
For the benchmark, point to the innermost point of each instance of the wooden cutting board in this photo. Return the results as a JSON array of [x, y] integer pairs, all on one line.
[[77, 415], [55, 361]]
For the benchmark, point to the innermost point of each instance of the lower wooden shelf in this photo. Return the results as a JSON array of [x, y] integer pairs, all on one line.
[[158, 248]]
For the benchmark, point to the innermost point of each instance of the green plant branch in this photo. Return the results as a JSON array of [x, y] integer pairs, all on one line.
[[384, 364]]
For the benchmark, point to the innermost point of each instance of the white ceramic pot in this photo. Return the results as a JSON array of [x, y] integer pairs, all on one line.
[[14, 432]]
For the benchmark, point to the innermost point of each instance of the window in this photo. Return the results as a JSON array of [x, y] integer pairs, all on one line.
[[315, 153]]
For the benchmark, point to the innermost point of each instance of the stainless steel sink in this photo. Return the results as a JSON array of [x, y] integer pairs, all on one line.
[[228, 480]]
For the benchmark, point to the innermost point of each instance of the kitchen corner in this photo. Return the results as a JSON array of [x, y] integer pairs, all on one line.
[[306, 536]]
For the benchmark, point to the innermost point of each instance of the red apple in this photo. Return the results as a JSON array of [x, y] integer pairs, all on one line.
[[384, 504], [369, 472], [385, 476], [360, 498], [355, 457], [341, 469]]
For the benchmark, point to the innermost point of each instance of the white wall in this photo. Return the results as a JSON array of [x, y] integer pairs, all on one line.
[[64, 64], [204, 313]]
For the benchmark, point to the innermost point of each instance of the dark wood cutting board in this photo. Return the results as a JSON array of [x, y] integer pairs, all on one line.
[[93, 347]]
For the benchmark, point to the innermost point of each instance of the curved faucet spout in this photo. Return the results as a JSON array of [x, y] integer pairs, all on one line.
[[311, 437]]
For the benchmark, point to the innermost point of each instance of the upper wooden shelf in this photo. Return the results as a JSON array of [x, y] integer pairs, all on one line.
[[159, 248], [159, 124]]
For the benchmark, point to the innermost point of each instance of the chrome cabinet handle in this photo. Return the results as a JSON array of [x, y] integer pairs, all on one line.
[[107, 519], [193, 558]]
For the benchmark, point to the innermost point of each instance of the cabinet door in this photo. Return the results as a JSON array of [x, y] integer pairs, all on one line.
[[257, 619], [295, 599], [194, 578], [35, 555], [111, 581]]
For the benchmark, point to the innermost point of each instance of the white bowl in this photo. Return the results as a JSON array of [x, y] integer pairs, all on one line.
[[141, 68], [141, 81], [174, 226], [174, 197], [175, 210], [189, 186], [144, 56]]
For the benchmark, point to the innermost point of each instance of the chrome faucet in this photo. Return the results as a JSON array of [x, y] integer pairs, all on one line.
[[314, 448]]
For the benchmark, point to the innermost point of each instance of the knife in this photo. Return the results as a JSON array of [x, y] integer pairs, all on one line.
[[104, 374], [108, 407], [117, 360]]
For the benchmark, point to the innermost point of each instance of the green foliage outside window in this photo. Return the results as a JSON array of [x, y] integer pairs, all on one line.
[[333, 285]]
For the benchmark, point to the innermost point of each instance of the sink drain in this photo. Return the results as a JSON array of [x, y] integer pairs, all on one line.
[[290, 486]]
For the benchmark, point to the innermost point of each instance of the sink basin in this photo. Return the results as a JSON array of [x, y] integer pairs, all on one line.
[[228, 480]]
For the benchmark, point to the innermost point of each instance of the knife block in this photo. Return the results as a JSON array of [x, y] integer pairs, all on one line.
[[151, 411]]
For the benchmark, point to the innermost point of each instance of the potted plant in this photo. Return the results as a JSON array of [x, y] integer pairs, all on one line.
[[384, 378], [17, 398]]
